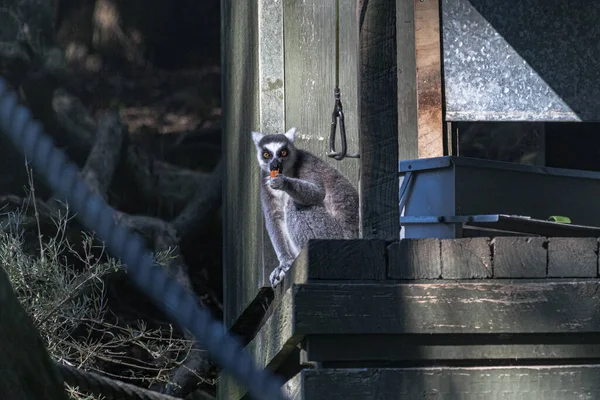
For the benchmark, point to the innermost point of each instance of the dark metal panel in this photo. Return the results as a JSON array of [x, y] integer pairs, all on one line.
[[473, 186], [515, 60]]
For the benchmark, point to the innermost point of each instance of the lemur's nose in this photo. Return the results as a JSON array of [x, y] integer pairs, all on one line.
[[275, 165]]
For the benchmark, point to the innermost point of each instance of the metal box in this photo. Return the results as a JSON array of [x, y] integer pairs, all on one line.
[[439, 196]]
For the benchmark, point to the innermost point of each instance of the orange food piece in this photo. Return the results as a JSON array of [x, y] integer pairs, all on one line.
[[274, 173]]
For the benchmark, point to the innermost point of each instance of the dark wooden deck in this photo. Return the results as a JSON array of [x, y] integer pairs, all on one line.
[[431, 319]]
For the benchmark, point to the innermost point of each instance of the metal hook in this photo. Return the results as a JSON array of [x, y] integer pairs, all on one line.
[[338, 113]]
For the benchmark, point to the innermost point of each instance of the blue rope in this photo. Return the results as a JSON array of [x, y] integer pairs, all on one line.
[[61, 174]]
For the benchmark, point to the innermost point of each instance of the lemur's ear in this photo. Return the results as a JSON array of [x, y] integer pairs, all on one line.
[[291, 134], [256, 136]]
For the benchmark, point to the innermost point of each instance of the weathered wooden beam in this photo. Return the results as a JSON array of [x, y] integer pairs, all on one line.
[[413, 350], [378, 119], [507, 383], [243, 232], [468, 258], [310, 67], [359, 259], [442, 311], [27, 371], [276, 339], [415, 259], [520, 257], [271, 73], [271, 347], [497, 307], [501, 257], [429, 78], [408, 133], [566, 253]]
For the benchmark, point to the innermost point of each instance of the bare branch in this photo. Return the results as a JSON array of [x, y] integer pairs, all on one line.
[[105, 154], [203, 205]]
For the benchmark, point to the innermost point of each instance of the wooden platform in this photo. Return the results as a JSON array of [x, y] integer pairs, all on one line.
[[424, 318], [531, 383]]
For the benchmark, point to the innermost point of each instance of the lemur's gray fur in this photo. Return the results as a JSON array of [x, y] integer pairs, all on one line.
[[308, 199]]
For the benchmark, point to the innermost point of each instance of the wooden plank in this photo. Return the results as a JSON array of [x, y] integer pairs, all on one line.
[[270, 73], [252, 318], [429, 78], [309, 41], [276, 339], [292, 389], [519, 257], [242, 215], [271, 347], [271, 66], [427, 349], [285, 373], [476, 383], [415, 259], [378, 120], [448, 308], [341, 259], [408, 134], [573, 257], [468, 258]]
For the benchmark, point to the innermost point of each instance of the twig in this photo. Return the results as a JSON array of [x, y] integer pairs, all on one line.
[[104, 157], [35, 211]]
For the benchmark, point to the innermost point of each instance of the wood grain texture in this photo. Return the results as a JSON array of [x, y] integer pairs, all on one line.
[[415, 259], [429, 78], [468, 258], [341, 259], [519, 257], [427, 349], [243, 232], [271, 66], [27, 371], [506, 383], [448, 308], [408, 133], [309, 45], [270, 348], [293, 388], [378, 119], [573, 257]]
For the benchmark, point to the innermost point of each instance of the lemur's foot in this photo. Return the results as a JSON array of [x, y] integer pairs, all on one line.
[[278, 273]]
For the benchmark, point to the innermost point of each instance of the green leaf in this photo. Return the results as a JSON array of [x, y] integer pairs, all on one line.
[[560, 219]]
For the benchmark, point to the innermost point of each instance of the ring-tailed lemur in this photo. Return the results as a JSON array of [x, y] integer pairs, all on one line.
[[303, 197]]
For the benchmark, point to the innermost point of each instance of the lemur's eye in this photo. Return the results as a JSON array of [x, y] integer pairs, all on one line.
[[266, 154], [283, 153]]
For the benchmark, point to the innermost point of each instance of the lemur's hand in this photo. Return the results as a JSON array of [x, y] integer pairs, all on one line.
[[278, 182]]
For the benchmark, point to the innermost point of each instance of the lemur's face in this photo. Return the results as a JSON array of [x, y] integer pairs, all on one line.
[[275, 152]]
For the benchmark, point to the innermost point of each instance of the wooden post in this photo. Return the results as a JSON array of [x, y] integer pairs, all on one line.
[[408, 134], [242, 216], [429, 78], [378, 116]]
